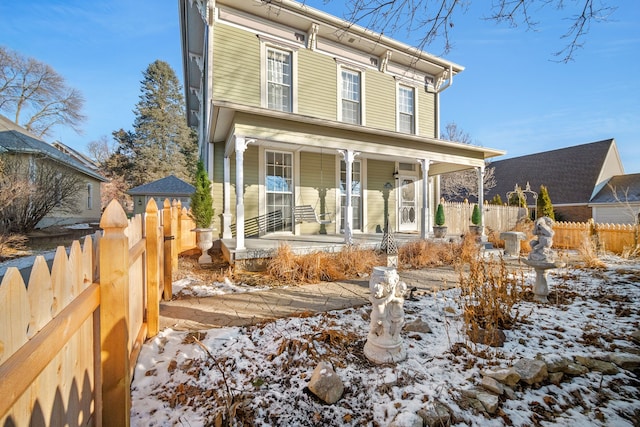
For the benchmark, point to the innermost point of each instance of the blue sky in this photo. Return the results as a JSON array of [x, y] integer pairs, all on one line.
[[511, 96]]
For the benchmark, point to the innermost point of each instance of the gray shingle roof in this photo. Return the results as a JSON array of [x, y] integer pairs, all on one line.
[[627, 187], [16, 139], [167, 186], [570, 174]]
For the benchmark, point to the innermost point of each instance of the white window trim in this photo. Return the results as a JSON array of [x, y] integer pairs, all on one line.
[[271, 43], [262, 185], [399, 83], [343, 65]]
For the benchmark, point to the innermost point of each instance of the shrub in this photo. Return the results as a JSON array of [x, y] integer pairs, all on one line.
[[475, 215], [440, 215], [543, 204], [201, 200]]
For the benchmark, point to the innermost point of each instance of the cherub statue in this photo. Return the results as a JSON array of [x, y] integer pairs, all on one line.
[[387, 314], [541, 247]]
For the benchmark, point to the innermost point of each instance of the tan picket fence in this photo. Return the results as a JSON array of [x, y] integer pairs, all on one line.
[[614, 238], [70, 339]]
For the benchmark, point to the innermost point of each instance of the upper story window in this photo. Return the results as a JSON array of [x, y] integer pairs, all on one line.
[[279, 80], [351, 96], [406, 109]]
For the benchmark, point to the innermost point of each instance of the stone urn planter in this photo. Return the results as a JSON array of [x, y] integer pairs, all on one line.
[[475, 230], [439, 231], [204, 240]]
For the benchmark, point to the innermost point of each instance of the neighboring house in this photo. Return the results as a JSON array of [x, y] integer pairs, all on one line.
[[16, 140], [299, 108], [573, 176], [76, 155], [170, 187], [618, 202]]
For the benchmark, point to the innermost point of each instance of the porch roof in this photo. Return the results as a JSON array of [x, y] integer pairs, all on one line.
[[279, 130]]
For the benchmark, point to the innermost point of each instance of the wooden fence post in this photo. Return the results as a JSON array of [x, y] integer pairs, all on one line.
[[114, 313], [174, 233], [153, 268], [166, 228], [179, 229]]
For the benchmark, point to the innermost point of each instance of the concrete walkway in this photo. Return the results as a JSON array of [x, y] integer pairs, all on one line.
[[239, 309]]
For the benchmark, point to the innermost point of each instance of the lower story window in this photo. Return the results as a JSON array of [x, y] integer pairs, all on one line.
[[279, 187]]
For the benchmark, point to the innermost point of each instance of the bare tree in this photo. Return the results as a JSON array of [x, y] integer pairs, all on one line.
[[463, 184], [49, 187], [436, 19], [101, 149], [622, 196], [110, 156], [36, 96], [453, 133], [11, 188]]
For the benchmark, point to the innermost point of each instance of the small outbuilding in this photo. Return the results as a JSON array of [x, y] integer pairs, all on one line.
[[170, 187]]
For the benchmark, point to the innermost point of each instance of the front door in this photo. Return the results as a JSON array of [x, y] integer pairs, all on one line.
[[407, 215]]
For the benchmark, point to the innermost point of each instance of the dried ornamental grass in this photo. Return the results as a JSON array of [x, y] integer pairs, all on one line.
[[315, 267], [489, 293], [589, 253], [425, 253]]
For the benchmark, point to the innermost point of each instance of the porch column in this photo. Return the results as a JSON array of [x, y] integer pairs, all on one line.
[[348, 156], [241, 146], [424, 219], [480, 172], [226, 196]]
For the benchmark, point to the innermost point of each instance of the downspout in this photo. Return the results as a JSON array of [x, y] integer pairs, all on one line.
[[441, 88]]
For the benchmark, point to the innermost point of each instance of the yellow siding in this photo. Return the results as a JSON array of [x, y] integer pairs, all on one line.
[[251, 187], [317, 177], [379, 201], [426, 113], [380, 100], [217, 186], [236, 66], [317, 85]]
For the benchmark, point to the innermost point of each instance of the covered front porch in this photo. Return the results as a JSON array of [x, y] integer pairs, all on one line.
[[258, 249], [266, 163]]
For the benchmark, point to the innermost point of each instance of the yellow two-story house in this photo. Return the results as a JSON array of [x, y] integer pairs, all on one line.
[[302, 115]]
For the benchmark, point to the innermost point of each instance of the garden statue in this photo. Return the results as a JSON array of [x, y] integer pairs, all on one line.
[[542, 257], [541, 247], [384, 344]]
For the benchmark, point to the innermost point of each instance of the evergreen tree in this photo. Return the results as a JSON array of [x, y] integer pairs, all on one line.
[[475, 215], [496, 200], [201, 199], [543, 204], [161, 143], [517, 198], [440, 215]]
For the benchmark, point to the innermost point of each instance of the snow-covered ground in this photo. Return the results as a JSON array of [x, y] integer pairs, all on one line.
[[258, 375]]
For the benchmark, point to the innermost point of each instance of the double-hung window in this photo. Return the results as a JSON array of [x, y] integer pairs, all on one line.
[[351, 96], [406, 110], [279, 80]]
